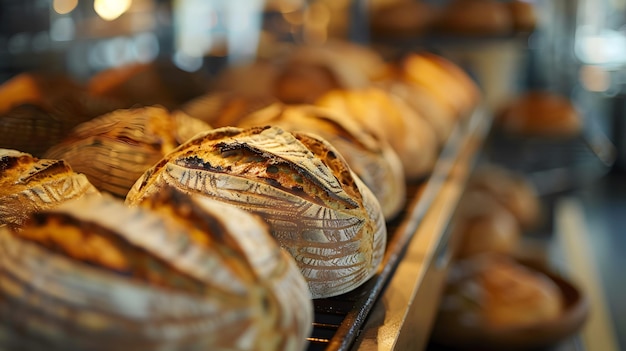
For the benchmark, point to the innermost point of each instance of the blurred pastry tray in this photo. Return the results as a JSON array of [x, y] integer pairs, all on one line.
[[392, 300]]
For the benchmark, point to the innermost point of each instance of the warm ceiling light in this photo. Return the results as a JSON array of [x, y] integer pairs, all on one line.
[[63, 7], [111, 9]]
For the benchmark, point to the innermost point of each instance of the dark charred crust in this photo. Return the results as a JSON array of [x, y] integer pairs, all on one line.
[[8, 162], [273, 182], [44, 169], [228, 149], [147, 176], [195, 162]]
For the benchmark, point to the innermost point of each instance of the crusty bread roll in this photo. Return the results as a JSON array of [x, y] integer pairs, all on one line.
[[540, 114], [485, 226], [411, 137], [372, 159], [523, 14], [306, 72], [179, 272], [402, 19], [441, 118], [29, 185], [237, 78], [318, 209], [447, 81], [354, 64], [37, 110], [304, 82], [145, 84], [494, 292], [115, 149], [512, 190], [475, 17], [225, 108]]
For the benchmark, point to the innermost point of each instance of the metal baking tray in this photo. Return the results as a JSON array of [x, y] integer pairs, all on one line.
[[340, 321]]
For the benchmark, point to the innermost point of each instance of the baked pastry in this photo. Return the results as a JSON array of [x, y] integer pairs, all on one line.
[[37, 110], [490, 294], [115, 149], [29, 185], [317, 209], [475, 18], [180, 272], [225, 108], [512, 190], [540, 114], [411, 137], [372, 159]]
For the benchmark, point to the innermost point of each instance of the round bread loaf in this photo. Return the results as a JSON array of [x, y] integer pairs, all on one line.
[[523, 14], [226, 108], [441, 118], [402, 19], [540, 114], [372, 159], [411, 137], [115, 149], [444, 79], [494, 292], [29, 184], [512, 190], [475, 17], [158, 82], [317, 208], [38, 110], [178, 273], [485, 226]]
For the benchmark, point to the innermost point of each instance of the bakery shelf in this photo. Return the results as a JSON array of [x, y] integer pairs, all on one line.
[[395, 308]]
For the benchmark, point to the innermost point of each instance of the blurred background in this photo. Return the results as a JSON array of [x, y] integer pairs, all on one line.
[[573, 48]]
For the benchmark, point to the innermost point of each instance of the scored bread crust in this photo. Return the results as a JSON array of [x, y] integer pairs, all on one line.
[[115, 149], [371, 158], [29, 184], [201, 275], [317, 208]]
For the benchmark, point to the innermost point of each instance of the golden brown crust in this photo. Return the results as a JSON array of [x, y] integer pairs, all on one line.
[[29, 184], [512, 190], [541, 114], [38, 110], [411, 137], [475, 17], [449, 84], [226, 108], [486, 226], [109, 269], [113, 150], [408, 19], [502, 293], [318, 210], [370, 157]]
